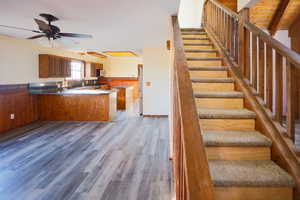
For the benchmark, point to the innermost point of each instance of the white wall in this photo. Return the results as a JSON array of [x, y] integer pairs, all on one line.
[[157, 65], [246, 3], [19, 61], [190, 13], [283, 37], [122, 67]]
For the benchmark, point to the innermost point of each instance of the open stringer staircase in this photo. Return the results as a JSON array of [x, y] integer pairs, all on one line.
[[239, 156]]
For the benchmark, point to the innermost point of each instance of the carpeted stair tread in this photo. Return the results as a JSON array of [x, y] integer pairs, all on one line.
[[235, 139], [219, 94], [201, 51], [193, 38], [210, 68], [203, 59], [193, 33], [210, 113], [212, 80], [249, 174], [192, 30]]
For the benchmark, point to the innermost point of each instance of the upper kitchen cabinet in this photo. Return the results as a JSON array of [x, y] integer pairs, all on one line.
[[54, 66], [95, 69]]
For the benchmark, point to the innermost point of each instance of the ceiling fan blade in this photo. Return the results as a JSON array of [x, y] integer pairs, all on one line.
[[24, 29], [67, 41], [43, 26], [75, 35], [36, 36]]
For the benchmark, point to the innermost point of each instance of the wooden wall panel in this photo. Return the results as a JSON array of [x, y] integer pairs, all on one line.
[[232, 4], [75, 107], [15, 99]]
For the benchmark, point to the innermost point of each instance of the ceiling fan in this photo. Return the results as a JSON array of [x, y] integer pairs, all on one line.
[[48, 30]]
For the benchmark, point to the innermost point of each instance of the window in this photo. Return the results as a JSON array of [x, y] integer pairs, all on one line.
[[76, 70]]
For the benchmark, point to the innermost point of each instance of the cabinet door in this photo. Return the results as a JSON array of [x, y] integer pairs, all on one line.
[[52, 70]]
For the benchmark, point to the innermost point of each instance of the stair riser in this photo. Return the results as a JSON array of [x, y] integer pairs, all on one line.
[[253, 193], [228, 124], [213, 86], [209, 74], [197, 41], [219, 103], [195, 36], [199, 47], [201, 55], [238, 153], [204, 63]]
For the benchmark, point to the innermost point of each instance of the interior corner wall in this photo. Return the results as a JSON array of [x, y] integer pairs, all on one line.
[[19, 61], [156, 83], [190, 13]]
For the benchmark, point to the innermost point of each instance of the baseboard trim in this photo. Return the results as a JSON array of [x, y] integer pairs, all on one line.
[[156, 116]]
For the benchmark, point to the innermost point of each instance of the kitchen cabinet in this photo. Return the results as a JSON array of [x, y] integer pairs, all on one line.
[[94, 68], [54, 66]]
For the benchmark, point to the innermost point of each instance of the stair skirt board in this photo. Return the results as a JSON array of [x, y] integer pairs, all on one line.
[[228, 103], [213, 86], [209, 74], [238, 153], [202, 55], [227, 124], [204, 63], [251, 193]]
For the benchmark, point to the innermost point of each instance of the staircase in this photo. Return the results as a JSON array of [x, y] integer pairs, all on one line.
[[239, 156]]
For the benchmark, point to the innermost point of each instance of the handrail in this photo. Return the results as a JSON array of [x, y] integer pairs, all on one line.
[[291, 55], [257, 64], [191, 172]]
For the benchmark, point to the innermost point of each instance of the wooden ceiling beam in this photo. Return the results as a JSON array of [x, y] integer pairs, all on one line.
[[273, 27]]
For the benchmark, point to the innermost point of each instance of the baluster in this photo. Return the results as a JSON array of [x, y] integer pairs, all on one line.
[[291, 99], [254, 60], [261, 67], [269, 76], [247, 54], [279, 87]]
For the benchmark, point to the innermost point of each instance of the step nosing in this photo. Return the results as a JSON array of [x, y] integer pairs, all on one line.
[[193, 38]]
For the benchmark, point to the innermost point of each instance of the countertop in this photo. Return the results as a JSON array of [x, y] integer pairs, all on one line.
[[78, 91]]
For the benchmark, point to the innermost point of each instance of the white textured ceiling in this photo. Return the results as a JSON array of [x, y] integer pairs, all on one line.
[[114, 24]]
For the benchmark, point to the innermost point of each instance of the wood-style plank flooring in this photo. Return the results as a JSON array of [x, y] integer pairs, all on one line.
[[127, 159]]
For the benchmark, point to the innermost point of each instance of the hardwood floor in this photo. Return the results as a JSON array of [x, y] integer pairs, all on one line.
[[127, 159]]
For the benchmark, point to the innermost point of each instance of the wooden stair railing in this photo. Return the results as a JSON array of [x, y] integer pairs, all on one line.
[[258, 64], [191, 172]]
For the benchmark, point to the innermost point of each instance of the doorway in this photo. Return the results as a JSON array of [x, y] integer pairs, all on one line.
[[140, 80]]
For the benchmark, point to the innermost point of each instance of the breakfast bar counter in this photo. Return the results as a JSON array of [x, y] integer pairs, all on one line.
[[77, 105]]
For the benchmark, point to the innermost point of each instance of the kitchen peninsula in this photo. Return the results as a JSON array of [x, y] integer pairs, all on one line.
[[82, 104]]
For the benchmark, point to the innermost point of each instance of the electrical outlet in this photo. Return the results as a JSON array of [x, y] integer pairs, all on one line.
[[12, 116]]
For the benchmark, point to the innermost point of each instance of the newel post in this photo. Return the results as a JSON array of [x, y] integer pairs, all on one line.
[[243, 41]]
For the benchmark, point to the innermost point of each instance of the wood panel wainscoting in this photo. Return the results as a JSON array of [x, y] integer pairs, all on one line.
[[77, 107], [15, 99], [123, 81]]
